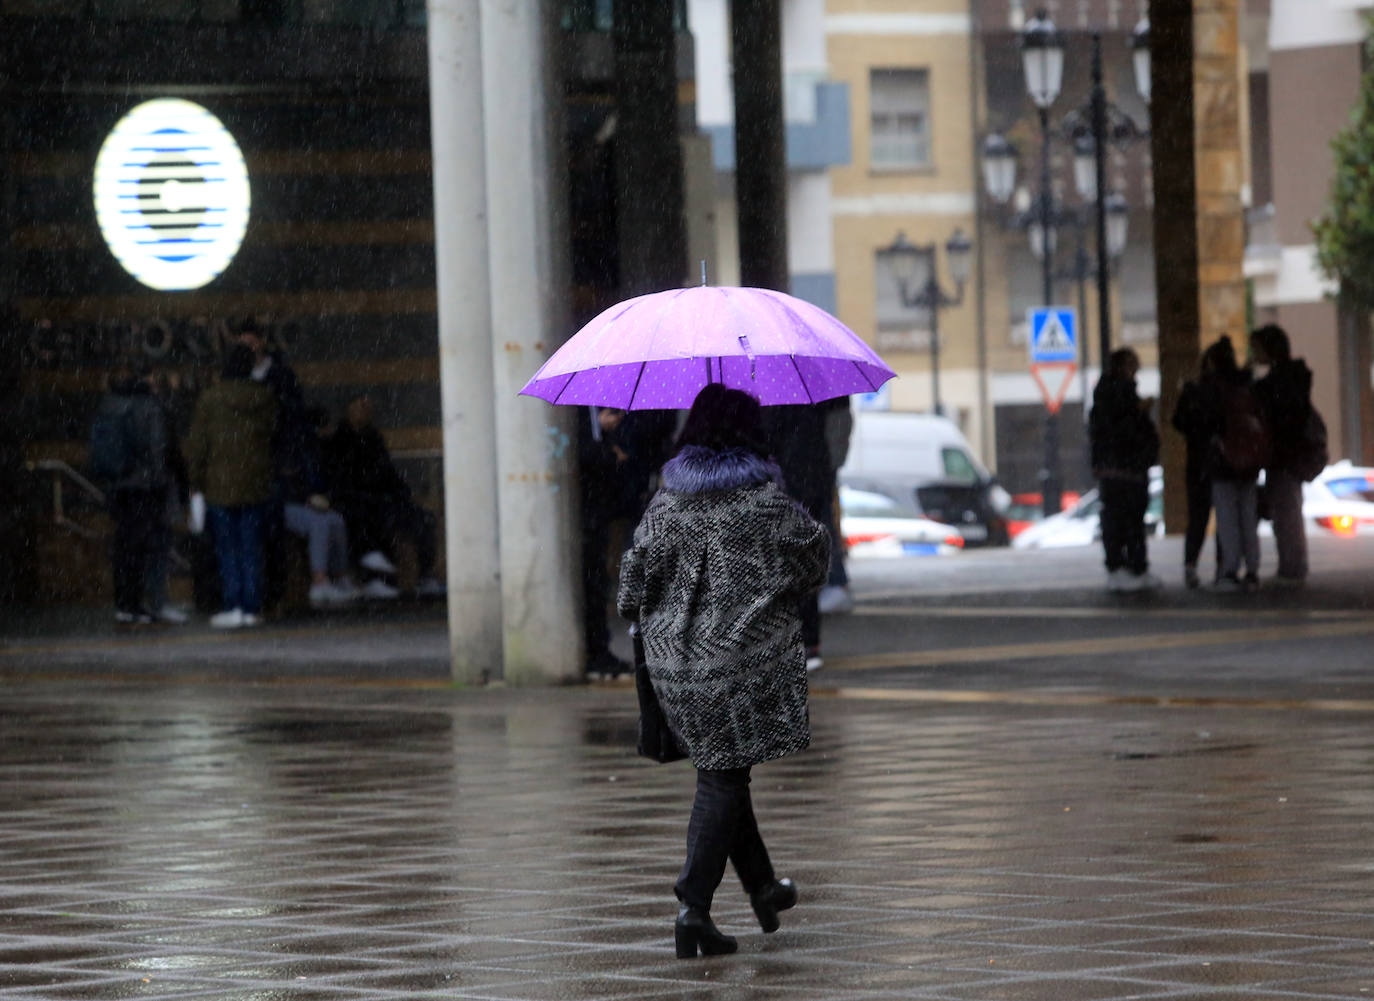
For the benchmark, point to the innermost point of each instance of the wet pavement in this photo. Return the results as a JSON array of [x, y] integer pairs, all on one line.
[[1015, 791]]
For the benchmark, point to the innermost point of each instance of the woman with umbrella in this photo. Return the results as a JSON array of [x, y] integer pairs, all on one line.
[[714, 578]]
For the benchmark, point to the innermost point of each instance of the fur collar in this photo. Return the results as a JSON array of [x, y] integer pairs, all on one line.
[[698, 470]]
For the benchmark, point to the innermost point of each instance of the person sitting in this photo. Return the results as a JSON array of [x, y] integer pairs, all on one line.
[[376, 502], [309, 515]]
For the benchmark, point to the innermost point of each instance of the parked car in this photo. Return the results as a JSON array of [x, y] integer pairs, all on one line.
[[875, 524], [1340, 500], [1027, 509], [927, 462], [1081, 524]]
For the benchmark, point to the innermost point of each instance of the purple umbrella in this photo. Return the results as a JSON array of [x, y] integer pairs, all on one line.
[[657, 351]]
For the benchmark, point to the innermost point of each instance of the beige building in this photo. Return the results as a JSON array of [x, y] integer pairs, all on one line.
[[909, 69]]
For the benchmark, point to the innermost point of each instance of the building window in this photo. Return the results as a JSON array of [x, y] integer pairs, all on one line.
[[899, 110]]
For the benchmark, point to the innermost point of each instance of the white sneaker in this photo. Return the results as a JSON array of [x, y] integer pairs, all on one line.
[[347, 590], [814, 662], [328, 594], [430, 587], [229, 619], [835, 599], [379, 590], [1147, 582], [172, 616], [249, 620], [1119, 580], [377, 562]]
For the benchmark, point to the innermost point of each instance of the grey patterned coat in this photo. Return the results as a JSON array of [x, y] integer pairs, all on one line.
[[719, 564]]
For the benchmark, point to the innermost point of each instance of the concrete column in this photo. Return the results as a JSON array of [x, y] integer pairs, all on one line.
[[760, 144], [648, 149], [465, 352], [527, 223], [1198, 217]]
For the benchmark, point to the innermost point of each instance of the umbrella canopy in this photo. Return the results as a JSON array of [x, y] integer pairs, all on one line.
[[657, 351]]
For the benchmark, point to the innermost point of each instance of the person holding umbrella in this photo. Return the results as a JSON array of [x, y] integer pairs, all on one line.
[[719, 566]]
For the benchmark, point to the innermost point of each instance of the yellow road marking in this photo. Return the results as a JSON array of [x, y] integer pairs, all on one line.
[[1052, 613], [968, 697], [1132, 643]]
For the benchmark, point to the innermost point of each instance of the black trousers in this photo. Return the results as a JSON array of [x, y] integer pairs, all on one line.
[[722, 827], [1123, 523], [1199, 511], [139, 529]]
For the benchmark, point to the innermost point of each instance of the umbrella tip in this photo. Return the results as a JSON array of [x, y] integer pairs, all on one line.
[[703, 271]]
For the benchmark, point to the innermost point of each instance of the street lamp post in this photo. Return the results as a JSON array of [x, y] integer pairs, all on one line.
[[1042, 59], [914, 271]]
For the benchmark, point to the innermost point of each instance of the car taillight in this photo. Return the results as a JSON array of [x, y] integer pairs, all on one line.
[[957, 541], [859, 538], [1341, 524]]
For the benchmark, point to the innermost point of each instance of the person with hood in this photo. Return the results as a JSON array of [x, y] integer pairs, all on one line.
[[1239, 448], [714, 579], [1194, 419], [229, 462], [128, 459], [1124, 446], [1285, 397]]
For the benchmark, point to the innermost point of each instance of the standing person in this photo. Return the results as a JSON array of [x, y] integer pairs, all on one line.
[[715, 577], [1285, 397], [128, 458], [1239, 450], [797, 435], [1125, 445], [291, 438], [173, 512], [1194, 418], [604, 464], [835, 597], [229, 461]]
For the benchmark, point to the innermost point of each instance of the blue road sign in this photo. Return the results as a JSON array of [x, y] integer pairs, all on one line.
[[1053, 335]]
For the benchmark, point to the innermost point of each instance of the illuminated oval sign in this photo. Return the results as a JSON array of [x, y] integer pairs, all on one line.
[[171, 194]]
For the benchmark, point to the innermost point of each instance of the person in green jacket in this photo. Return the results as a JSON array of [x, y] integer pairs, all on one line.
[[229, 459]]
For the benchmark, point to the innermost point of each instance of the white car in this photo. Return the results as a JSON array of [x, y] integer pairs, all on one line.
[[1081, 525], [1340, 501], [875, 524]]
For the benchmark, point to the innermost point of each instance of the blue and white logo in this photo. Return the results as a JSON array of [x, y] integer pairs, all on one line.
[[1053, 335], [171, 194]]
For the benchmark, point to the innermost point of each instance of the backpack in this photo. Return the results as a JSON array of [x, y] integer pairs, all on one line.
[[1310, 456], [112, 447], [1244, 444]]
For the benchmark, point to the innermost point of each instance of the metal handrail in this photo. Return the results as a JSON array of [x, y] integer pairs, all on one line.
[[63, 471]]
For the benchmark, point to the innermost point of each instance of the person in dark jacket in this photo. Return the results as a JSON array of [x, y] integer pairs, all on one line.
[[376, 502], [1285, 397], [229, 461], [292, 440], [714, 579], [1194, 419], [173, 512], [1124, 446], [605, 459], [1238, 447], [136, 487], [797, 437]]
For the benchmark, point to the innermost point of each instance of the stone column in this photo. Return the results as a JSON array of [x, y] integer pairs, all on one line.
[[527, 236], [760, 144], [471, 527], [1198, 216]]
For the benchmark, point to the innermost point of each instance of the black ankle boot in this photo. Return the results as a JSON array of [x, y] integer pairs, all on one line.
[[778, 895], [694, 928]]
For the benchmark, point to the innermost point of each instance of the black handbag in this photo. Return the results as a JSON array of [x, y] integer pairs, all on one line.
[[657, 742]]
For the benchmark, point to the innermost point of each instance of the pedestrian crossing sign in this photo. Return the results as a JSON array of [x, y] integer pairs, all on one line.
[[1053, 335]]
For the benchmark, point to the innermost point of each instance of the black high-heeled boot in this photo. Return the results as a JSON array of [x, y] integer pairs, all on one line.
[[694, 929], [778, 895]]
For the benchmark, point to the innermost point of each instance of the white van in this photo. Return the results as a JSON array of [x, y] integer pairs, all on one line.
[[927, 466]]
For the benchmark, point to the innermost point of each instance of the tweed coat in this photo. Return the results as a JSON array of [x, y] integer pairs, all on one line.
[[719, 565]]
